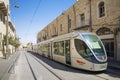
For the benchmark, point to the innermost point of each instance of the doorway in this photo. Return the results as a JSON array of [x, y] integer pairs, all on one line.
[[109, 46], [67, 52]]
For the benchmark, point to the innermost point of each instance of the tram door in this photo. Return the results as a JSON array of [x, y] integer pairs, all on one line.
[[50, 50], [67, 52]]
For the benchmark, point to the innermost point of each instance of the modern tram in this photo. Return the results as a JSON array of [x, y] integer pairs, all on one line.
[[79, 49]]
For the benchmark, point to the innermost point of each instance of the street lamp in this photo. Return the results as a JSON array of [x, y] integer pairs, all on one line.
[[16, 6]]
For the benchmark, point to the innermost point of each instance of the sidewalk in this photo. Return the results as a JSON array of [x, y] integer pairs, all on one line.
[[113, 64], [6, 65]]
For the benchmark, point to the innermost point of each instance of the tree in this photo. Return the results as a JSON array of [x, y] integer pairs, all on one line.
[[17, 43], [12, 41]]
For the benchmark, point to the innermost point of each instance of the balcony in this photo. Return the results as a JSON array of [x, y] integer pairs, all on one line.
[[3, 6], [82, 25], [44, 37], [54, 34], [11, 26]]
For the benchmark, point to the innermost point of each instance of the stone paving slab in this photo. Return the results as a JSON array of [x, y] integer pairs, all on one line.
[[6, 64]]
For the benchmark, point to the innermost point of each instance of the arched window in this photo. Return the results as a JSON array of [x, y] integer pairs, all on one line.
[[103, 31], [101, 7]]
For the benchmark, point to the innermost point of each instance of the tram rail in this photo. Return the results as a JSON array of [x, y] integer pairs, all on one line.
[[43, 66], [35, 78]]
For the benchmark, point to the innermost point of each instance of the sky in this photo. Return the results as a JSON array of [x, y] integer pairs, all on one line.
[[33, 15]]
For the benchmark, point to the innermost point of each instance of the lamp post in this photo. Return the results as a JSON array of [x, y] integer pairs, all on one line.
[[7, 26], [7, 33]]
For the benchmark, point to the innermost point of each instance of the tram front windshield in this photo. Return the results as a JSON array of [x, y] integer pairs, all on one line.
[[95, 44]]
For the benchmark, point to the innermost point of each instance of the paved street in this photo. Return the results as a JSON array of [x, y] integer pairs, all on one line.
[[30, 67]]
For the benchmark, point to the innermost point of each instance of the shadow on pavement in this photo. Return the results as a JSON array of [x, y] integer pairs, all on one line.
[[60, 66]]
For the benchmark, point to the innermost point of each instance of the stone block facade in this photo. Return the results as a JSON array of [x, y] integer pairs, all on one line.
[[99, 16]]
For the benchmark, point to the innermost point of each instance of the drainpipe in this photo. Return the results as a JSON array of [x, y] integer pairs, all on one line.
[[90, 28], [57, 29], [68, 23], [74, 11]]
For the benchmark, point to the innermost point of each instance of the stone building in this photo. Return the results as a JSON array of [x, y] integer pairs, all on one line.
[[99, 16], [105, 23], [4, 10]]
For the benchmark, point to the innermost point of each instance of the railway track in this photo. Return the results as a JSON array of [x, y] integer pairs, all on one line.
[[33, 73], [57, 75], [35, 78]]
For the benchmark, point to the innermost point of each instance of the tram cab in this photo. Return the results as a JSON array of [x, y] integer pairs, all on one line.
[[92, 54]]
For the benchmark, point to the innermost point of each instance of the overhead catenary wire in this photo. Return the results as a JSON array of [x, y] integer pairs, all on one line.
[[13, 4], [32, 19], [35, 11]]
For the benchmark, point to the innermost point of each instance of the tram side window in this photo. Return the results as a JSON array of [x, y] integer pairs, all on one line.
[[40, 48], [43, 48], [82, 48], [56, 48], [46, 48], [59, 48], [49, 48]]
